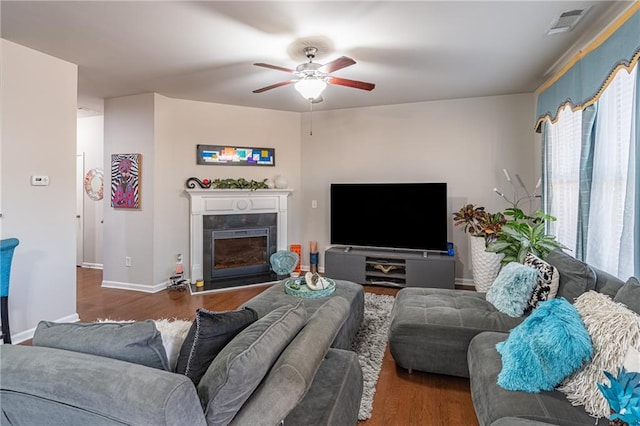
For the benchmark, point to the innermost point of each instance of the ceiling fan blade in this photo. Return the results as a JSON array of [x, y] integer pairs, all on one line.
[[337, 64], [273, 86], [274, 67], [351, 83]]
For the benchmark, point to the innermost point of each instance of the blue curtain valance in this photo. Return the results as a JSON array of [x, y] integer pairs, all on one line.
[[583, 83]]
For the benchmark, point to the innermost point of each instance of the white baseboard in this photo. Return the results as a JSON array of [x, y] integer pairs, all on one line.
[[136, 287], [91, 265]]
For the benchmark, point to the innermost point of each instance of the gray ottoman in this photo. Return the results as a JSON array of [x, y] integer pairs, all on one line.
[[431, 328], [275, 296]]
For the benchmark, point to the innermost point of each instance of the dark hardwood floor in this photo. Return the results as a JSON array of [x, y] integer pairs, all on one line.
[[401, 398]]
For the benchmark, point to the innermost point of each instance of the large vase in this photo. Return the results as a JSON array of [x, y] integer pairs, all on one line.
[[485, 265]]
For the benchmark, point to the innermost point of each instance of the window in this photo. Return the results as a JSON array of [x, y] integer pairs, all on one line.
[[590, 177]]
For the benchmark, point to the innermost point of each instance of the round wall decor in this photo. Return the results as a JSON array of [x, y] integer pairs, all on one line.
[[94, 184]]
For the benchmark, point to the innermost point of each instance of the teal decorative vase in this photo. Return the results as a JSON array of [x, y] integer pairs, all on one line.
[[283, 262]]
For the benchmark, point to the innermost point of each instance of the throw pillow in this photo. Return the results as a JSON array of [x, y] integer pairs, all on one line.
[[546, 284], [576, 277], [208, 334], [173, 333], [137, 342], [632, 360], [240, 367], [512, 288], [629, 295], [612, 328], [544, 349]]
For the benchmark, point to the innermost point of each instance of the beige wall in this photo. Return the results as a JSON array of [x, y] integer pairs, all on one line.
[[128, 129], [465, 143], [166, 131], [38, 106]]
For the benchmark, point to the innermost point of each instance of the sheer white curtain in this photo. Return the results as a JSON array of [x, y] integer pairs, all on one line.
[[563, 177], [611, 217], [611, 202]]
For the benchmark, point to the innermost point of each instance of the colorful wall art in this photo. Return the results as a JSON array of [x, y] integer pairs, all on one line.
[[126, 171], [235, 155]]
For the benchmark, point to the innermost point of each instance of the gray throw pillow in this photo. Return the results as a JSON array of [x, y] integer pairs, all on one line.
[[576, 277], [209, 333], [137, 342], [240, 367], [629, 295]]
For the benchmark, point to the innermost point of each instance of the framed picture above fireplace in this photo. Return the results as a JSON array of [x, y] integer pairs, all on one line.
[[225, 155]]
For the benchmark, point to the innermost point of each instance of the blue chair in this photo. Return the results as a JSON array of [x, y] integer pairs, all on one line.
[[6, 256]]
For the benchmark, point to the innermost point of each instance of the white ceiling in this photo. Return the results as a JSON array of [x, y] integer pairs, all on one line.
[[413, 51]]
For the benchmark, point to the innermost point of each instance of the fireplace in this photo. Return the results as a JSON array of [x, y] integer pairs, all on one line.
[[238, 246], [233, 234], [239, 252]]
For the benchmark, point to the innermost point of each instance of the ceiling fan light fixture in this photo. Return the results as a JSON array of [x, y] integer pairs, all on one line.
[[310, 88]]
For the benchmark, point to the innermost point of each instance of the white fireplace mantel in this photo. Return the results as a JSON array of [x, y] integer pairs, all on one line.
[[233, 201]]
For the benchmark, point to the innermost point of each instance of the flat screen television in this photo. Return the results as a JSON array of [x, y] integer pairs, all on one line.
[[410, 216]]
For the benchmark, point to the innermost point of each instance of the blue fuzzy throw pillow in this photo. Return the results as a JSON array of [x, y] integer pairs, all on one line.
[[545, 348], [512, 289]]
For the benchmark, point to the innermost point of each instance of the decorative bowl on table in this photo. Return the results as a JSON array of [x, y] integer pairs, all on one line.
[[283, 262], [298, 287]]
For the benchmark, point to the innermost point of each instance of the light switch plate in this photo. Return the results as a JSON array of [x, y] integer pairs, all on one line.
[[39, 180]]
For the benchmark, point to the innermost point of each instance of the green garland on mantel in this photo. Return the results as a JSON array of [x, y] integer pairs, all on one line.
[[229, 183]]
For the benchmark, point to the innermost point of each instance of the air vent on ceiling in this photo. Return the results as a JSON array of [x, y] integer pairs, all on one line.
[[567, 21]]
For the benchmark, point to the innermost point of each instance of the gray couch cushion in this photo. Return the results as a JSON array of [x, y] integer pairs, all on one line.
[[46, 386], [491, 402], [607, 283], [576, 277], [275, 296], [431, 328], [290, 377], [335, 394], [137, 342], [209, 333], [629, 295], [240, 367]]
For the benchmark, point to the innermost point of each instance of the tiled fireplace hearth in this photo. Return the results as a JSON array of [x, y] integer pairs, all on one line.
[[245, 226]]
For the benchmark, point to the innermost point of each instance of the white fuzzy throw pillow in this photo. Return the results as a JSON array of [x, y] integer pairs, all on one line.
[[632, 360], [613, 328], [173, 334]]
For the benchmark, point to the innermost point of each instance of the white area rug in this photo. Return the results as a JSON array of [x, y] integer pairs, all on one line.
[[370, 345]]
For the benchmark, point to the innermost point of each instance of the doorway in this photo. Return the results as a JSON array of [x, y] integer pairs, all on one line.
[[79, 209]]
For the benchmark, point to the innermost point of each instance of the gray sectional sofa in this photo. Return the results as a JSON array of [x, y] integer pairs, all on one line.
[[279, 368], [455, 332]]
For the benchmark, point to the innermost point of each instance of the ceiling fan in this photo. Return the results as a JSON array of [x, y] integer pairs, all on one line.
[[311, 78]]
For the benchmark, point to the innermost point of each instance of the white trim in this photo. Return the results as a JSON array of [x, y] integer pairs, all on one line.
[[221, 290], [91, 265], [232, 201], [136, 287]]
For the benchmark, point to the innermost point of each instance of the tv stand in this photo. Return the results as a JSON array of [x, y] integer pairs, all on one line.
[[395, 268]]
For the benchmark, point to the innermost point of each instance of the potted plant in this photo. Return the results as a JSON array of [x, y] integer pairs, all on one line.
[[522, 234], [483, 229], [623, 396]]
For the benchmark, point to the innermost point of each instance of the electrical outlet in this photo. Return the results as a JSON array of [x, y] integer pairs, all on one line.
[[179, 257], [127, 261]]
